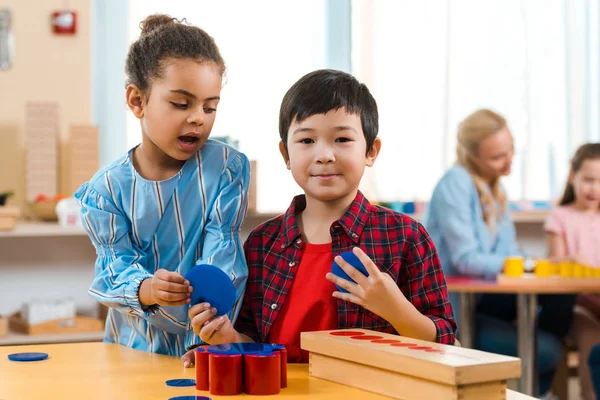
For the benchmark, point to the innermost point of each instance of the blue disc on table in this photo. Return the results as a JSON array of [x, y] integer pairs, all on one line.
[[28, 356], [239, 348], [190, 398], [181, 382], [351, 259], [211, 285]]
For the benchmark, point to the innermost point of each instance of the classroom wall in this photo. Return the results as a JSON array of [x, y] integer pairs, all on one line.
[[46, 67]]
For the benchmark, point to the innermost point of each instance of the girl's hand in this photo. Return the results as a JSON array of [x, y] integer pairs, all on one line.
[[165, 288], [188, 359], [210, 329], [378, 292]]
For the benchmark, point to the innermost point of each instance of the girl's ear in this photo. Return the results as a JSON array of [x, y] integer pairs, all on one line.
[[284, 154], [373, 152], [135, 100]]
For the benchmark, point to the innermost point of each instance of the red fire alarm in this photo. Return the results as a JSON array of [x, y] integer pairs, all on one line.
[[64, 22]]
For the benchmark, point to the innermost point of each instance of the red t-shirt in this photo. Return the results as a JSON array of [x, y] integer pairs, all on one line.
[[309, 306]]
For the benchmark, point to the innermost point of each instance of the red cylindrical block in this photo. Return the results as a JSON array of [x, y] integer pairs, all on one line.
[[225, 374], [201, 357], [262, 373], [283, 357]]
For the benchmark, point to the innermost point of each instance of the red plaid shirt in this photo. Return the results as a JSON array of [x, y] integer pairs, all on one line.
[[396, 243]]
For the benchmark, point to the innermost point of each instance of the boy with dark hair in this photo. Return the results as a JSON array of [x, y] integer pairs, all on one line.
[[328, 125]]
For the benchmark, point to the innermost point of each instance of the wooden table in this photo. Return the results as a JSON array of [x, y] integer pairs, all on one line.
[[107, 371], [526, 289]]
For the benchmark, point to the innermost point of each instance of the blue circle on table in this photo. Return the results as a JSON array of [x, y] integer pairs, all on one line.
[[190, 398], [213, 286], [27, 356], [181, 382], [243, 348], [351, 259]]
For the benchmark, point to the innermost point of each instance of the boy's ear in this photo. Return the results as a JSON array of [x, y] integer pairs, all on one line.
[[135, 100], [373, 153], [284, 154]]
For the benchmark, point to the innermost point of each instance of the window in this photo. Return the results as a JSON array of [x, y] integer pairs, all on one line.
[[430, 64]]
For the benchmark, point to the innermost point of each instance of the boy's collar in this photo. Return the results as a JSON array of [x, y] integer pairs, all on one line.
[[353, 221]]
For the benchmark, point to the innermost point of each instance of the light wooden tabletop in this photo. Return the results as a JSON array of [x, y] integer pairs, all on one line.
[[552, 285], [107, 371]]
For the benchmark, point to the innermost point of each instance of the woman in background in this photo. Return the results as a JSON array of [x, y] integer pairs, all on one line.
[[469, 222], [573, 234]]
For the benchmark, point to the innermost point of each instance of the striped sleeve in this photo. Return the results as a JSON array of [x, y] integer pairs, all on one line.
[[222, 246], [119, 268]]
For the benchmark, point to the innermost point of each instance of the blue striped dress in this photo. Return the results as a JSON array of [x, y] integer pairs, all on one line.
[[138, 226]]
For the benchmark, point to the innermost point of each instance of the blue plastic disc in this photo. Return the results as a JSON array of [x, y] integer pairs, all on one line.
[[181, 382], [241, 348], [28, 356], [190, 398], [213, 286], [351, 259]]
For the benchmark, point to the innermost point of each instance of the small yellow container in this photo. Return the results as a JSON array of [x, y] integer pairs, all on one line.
[[597, 272], [514, 266], [556, 268], [588, 271], [544, 268], [578, 270], [566, 269]]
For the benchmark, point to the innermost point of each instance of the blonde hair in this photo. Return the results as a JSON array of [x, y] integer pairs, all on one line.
[[471, 132]]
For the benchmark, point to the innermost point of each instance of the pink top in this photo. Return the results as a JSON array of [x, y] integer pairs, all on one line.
[[580, 230]]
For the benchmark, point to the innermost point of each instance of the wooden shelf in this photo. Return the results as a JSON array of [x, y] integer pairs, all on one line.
[[530, 216], [19, 338], [41, 229], [38, 229]]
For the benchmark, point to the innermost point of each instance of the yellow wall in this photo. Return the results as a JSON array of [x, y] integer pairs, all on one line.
[[46, 67]]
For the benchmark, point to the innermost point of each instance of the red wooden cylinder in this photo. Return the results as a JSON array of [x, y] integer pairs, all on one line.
[[225, 374], [262, 373], [283, 356], [201, 357]]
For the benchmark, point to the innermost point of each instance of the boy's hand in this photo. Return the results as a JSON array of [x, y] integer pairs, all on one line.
[[378, 292], [165, 288], [210, 329]]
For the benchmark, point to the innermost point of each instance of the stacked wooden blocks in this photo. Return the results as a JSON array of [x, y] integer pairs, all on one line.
[[41, 147]]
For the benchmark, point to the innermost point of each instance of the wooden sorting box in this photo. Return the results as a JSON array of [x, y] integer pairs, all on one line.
[[405, 368]]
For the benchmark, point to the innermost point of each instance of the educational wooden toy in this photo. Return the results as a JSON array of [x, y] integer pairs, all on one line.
[[406, 368], [231, 369]]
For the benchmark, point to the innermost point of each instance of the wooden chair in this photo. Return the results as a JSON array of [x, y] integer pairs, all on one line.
[[566, 369]]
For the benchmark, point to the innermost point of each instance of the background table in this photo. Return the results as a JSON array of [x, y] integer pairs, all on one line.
[[526, 289]]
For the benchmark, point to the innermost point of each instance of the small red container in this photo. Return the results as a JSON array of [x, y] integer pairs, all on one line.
[[262, 373], [283, 356], [201, 357], [225, 374]]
